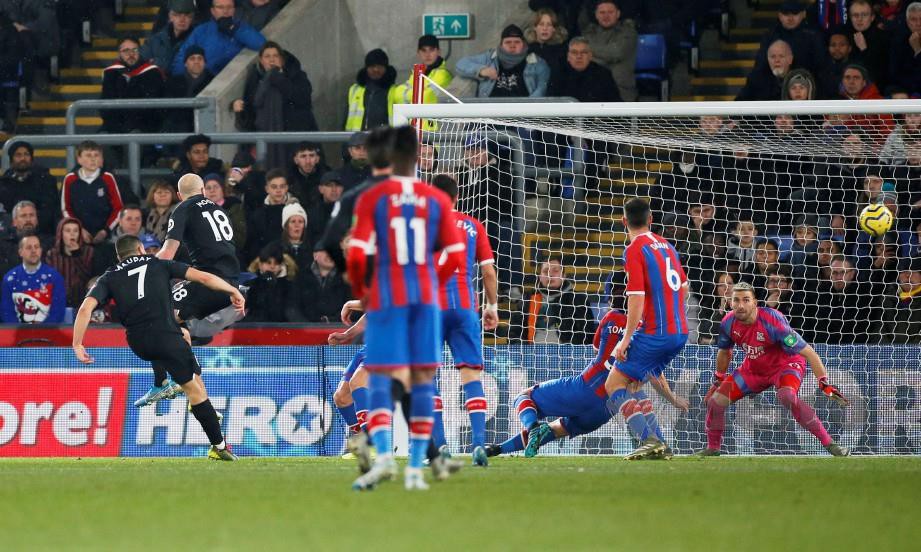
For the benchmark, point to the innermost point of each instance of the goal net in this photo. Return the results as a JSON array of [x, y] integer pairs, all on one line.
[[766, 193]]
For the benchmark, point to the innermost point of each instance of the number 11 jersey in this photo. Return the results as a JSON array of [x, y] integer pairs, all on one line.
[[205, 229], [654, 271]]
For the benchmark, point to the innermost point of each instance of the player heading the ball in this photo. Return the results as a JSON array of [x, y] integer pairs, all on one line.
[[775, 356]]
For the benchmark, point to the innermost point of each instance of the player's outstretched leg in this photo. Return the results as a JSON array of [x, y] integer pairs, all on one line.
[[379, 428], [541, 435], [806, 417], [163, 388]]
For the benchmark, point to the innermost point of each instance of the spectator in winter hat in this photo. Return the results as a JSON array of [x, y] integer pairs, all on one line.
[[509, 71]]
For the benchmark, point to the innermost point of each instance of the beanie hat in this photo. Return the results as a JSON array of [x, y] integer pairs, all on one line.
[[292, 210], [192, 51], [512, 31], [863, 70], [20, 144], [376, 57]]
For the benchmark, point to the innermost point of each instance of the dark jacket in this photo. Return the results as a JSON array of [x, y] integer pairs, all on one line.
[[161, 47], [95, 204], [183, 86], [305, 187], [301, 254], [564, 309], [595, 84], [321, 298], [214, 165], [876, 57], [259, 16], [554, 55], [318, 217], [40, 17], [37, 186], [904, 64], [829, 78], [12, 51], [263, 226], [119, 82], [809, 50], [268, 299], [761, 85]]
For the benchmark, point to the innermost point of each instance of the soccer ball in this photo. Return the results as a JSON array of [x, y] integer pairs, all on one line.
[[875, 219]]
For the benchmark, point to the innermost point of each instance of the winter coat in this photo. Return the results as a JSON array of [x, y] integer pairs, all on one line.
[[536, 73], [305, 187], [119, 82], [876, 57], [594, 84], [615, 48], [370, 103], [761, 85], [12, 52], [156, 223], [809, 51], [183, 86], [321, 297], [40, 17], [258, 16], [161, 48], [219, 48], [37, 186], [214, 165], [563, 310], [269, 299], [905, 64], [264, 226]]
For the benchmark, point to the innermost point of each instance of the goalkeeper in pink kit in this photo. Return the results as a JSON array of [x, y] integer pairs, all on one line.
[[775, 356]]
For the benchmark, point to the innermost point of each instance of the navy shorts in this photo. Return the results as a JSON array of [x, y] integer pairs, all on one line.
[[648, 355], [399, 337], [462, 333]]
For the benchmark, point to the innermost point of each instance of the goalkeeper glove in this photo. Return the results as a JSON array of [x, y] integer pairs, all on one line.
[[831, 391]]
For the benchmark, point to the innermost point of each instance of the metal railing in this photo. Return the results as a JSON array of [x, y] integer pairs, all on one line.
[[133, 143], [205, 112]]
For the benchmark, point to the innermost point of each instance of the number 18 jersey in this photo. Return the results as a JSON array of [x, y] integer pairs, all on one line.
[[654, 271], [205, 229]]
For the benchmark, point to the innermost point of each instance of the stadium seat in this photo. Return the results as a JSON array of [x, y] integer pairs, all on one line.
[[651, 62]]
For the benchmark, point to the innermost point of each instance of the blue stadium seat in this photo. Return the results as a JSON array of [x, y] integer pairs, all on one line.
[[651, 63]]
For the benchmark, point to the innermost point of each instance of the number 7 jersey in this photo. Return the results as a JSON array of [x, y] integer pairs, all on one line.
[[404, 224], [654, 271]]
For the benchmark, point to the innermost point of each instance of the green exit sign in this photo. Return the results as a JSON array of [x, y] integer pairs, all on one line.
[[446, 25]]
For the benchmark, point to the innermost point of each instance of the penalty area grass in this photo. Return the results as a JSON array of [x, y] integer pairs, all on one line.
[[546, 503]]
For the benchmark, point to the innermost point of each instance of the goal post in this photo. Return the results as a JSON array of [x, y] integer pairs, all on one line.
[[763, 192]]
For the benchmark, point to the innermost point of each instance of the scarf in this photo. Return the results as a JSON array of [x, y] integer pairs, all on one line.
[[508, 61]]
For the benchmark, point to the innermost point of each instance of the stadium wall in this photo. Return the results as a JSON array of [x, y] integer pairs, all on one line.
[[277, 401]]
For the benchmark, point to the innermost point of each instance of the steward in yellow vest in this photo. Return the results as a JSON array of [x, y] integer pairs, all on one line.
[[372, 96]]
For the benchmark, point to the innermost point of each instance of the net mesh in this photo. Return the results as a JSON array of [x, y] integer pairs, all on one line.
[[770, 200]]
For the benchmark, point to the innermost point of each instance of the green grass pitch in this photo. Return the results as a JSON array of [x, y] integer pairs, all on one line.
[[597, 503]]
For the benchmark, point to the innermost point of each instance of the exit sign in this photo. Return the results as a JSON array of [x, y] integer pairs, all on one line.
[[446, 25]]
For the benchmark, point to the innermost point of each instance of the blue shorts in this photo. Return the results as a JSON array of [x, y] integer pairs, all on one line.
[[462, 333], [399, 337], [572, 400], [357, 362], [648, 355]]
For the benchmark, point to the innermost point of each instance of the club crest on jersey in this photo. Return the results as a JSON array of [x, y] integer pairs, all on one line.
[[759, 336]]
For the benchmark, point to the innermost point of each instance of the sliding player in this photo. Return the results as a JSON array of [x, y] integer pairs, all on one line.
[[656, 292], [402, 226], [580, 401], [460, 318], [140, 286], [775, 356]]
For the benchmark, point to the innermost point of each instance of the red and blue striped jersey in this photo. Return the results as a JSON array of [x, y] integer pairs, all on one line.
[[654, 270], [403, 224], [610, 330], [459, 291]]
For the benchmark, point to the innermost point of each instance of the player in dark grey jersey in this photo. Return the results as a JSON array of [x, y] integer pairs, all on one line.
[[140, 286]]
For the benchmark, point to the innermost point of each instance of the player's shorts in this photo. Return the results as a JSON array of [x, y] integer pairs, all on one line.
[[195, 301], [461, 328], [788, 372], [357, 362], [400, 337], [168, 351], [648, 355], [574, 401]]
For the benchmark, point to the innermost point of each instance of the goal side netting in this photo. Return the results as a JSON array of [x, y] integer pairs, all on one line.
[[766, 193]]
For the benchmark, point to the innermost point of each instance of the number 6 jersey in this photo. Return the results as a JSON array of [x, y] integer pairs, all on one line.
[[403, 223], [654, 270], [205, 229]]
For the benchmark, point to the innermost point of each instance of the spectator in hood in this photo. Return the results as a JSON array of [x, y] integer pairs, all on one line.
[[271, 296], [799, 85], [258, 13], [614, 41], [276, 98], [26, 180], [186, 85], [509, 71], [371, 97], [582, 78], [322, 290], [162, 46], [197, 158], [131, 78], [222, 38], [356, 168]]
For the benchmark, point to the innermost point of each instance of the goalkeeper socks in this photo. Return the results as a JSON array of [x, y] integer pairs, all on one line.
[[621, 402], [644, 403], [351, 419], [715, 423], [438, 430], [420, 422], [160, 376], [380, 416], [527, 411], [361, 396], [803, 414], [476, 409], [205, 414]]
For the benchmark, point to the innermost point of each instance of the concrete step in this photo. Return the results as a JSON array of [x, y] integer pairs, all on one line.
[[717, 85], [705, 98], [134, 27], [738, 50], [76, 91]]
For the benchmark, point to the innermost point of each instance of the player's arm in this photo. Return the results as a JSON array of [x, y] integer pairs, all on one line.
[[81, 323], [348, 308], [169, 250], [450, 239], [491, 289], [349, 335], [216, 283], [636, 299], [662, 386], [821, 374], [361, 247]]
